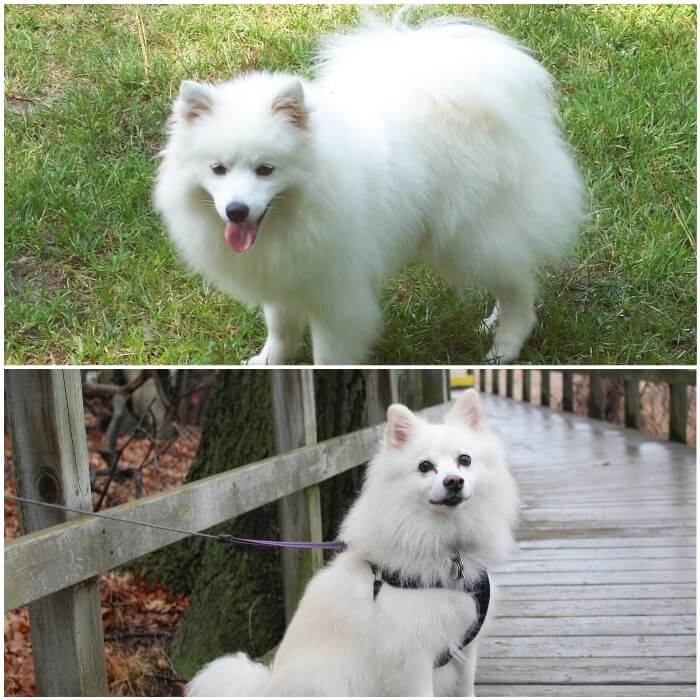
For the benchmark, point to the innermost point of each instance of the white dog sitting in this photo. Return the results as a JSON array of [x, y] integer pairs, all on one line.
[[398, 611]]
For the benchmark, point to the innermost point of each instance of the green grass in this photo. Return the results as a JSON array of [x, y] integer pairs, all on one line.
[[91, 276]]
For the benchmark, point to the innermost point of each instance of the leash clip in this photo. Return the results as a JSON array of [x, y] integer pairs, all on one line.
[[457, 567]]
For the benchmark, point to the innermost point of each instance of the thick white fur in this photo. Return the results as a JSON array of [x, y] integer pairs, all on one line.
[[439, 144], [343, 642]]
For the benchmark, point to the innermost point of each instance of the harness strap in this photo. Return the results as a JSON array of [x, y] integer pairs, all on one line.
[[482, 596], [480, 590]]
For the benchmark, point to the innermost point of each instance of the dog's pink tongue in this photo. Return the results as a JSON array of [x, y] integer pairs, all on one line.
[[240, 237]]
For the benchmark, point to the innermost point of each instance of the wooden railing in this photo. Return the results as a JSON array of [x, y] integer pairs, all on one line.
[[492, 381]]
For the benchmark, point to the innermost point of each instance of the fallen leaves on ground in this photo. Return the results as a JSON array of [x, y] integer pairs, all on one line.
[[139, 618]]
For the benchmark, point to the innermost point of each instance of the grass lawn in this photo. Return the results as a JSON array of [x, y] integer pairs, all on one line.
[[90, 276]]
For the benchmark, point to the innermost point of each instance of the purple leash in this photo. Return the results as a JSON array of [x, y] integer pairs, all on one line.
[[225, 539], [232, 539]]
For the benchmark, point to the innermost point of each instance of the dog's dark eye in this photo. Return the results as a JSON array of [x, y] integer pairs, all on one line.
[[219, 169], [425, 466], [464, 460], [264, 170]]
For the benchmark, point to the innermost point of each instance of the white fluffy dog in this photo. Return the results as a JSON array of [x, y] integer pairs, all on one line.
[[439, 144], [395, 612]]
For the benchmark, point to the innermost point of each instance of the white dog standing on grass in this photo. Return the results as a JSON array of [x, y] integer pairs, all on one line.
[[389, 615], [439, 144]]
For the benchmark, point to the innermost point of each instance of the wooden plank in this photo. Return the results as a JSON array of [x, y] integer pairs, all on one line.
[[673, 552], [51, 464], [529, 566], [613, 606], [610, 592], [634, 691], [577, 626], [595, 577], [625, 514], [69, 553], [597, 646], [609, 542], [509, 383], [664, 669], [532, 529]]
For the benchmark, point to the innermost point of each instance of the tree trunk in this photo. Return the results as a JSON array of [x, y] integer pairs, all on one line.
[[236, 592], [341, 407]]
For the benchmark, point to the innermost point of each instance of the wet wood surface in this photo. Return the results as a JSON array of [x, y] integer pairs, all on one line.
[[600, 598]]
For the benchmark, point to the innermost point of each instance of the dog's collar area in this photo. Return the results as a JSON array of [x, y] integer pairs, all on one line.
[[480, 590], [397, 580]]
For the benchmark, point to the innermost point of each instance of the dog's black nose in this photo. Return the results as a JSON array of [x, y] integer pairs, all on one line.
[[237, 212], [453, 483]]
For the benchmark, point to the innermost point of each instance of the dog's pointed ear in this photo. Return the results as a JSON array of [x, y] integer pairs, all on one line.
[[290, 102], [194, 100], [400, 422], [468, 411]]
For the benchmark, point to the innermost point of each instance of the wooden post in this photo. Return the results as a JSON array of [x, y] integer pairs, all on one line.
[[509, 383], [544, 387], [527, 374], [679, 412], [406, 387], [595, 400], [436, 384], [51, 464], [567, 390], [294, 414], [378, 383], [632, 412]]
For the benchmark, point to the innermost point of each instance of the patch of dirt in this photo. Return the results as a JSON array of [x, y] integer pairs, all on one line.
[[30, 278]]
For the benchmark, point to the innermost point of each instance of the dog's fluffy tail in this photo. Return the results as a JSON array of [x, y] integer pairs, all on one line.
[[229, 676]]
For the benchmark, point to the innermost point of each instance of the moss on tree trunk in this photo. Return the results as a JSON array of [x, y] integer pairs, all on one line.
[[236, 592]]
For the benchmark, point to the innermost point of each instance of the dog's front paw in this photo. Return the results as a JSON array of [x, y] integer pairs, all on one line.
[[502, 353], [262, 358]]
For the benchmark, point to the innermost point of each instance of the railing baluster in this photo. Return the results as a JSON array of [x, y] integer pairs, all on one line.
[[632, 412], [595, 399], [679, 412], [544, 387], [567, 402]]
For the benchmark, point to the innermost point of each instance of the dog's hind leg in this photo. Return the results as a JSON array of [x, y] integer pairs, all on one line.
[[344, 335], [516, 318], [284, 331]]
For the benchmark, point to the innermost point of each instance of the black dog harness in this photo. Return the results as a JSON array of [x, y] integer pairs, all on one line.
[[479, 589]]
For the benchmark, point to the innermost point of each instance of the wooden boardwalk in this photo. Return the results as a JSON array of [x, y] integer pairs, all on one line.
[[600, 600]]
